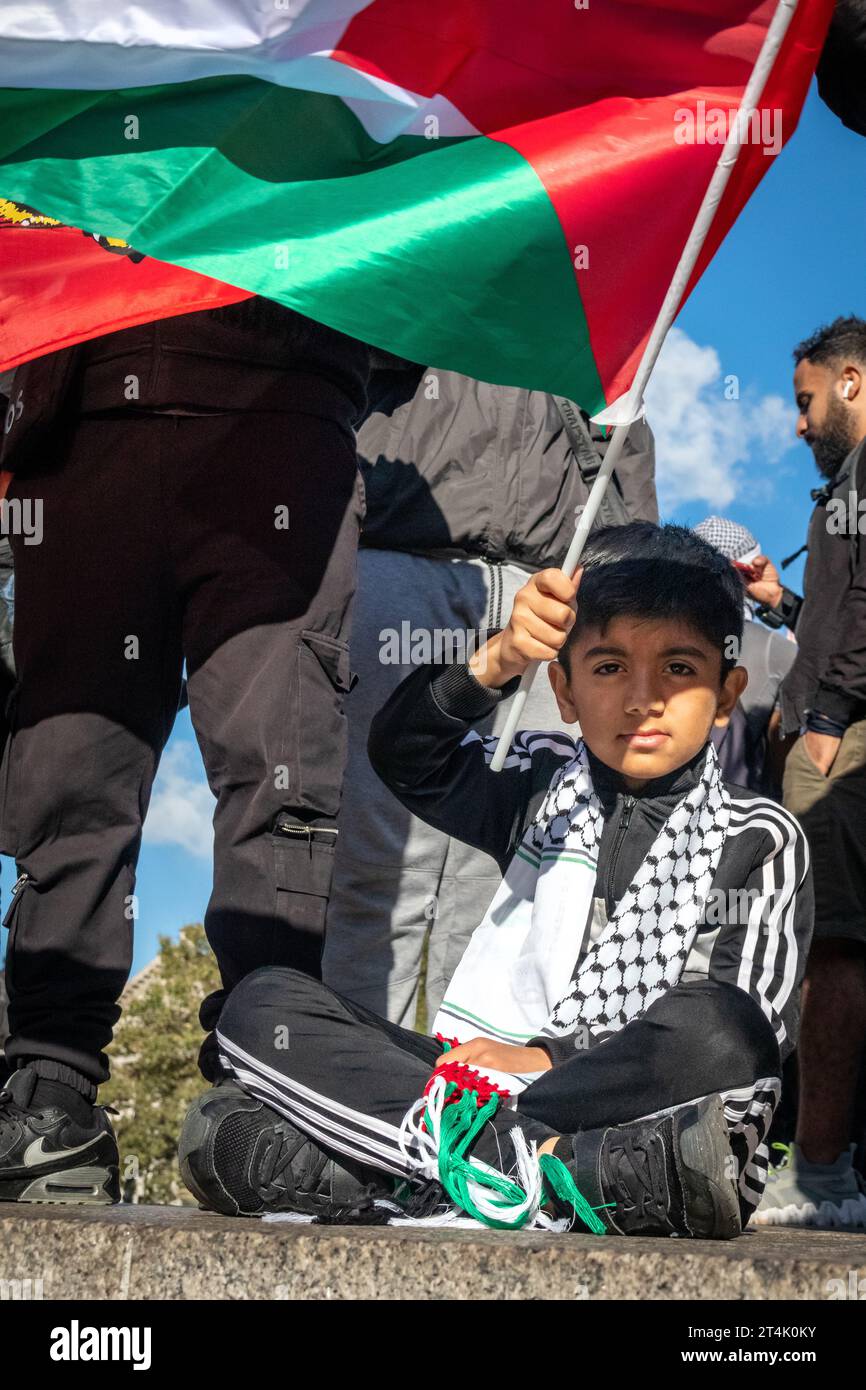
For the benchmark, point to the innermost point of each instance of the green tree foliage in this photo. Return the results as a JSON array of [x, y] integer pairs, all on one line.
[[154, 1067]]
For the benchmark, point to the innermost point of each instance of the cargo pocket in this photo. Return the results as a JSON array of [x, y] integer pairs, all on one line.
[[324, 679], [304, 851]]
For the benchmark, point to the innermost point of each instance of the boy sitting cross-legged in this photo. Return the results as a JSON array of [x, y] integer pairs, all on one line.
[[633, 985]]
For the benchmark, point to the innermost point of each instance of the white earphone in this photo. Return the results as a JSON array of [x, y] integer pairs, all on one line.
[[849, 386]]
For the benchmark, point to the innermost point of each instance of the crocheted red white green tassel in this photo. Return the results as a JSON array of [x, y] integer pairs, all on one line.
[[442, 1126]]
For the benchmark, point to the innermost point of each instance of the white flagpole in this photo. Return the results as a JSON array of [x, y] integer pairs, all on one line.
[[632, 402]]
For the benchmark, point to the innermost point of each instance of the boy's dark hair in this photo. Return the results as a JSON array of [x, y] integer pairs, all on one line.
[[843, 338], [658, 572]]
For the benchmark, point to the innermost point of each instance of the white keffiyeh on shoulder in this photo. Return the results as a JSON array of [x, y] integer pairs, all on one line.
[[516, 978]]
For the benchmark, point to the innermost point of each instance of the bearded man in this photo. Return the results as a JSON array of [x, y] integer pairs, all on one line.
[[824, 698]]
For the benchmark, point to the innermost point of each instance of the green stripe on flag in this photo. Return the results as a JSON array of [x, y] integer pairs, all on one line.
[[446, 251]]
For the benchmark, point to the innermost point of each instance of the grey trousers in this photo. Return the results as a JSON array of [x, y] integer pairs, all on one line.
[[398, 883]]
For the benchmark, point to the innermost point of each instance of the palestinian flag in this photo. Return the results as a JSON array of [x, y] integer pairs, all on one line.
[[493, 186]]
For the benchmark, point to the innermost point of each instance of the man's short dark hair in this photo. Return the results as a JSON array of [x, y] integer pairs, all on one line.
[[843, 339], [659, 573]]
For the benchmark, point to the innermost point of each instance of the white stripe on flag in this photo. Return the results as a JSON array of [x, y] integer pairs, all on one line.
[[104, 56], [207, 25]]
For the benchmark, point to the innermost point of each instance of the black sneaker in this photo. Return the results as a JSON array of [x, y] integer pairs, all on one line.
[[47, 1156], [240, 1157], [671, 1176]]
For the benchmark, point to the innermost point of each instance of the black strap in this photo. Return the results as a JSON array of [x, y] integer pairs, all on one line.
[[613, 510], [789, 559]]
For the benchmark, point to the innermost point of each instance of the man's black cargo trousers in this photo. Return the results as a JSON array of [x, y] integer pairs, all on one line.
[[226, 540]]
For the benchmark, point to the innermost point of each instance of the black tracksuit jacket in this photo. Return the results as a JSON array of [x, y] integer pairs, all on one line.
[[423, 746]]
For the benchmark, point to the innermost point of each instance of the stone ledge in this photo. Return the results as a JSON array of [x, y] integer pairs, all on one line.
[[144, 1252]]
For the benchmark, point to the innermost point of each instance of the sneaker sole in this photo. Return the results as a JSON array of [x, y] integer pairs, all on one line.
[[705, 1147], [848, 1215], [85, 1186]]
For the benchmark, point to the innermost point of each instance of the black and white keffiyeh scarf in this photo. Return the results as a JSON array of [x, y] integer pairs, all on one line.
[[517, 980]]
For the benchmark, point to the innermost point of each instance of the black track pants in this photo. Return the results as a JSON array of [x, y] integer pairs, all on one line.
[[347, 1077]]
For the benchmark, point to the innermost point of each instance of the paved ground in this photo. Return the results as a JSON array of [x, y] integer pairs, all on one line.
[[179, 1253]]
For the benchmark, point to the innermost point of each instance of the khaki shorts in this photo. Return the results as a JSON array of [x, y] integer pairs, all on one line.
[[832, 812]]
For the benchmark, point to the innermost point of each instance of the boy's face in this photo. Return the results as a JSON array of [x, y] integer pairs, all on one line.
[[646, 694]]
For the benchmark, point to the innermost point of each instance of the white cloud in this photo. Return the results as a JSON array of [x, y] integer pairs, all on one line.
[[709, 449], [182, 805]]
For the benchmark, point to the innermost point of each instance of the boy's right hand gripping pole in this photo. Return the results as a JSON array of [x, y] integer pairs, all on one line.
[[569, 565]]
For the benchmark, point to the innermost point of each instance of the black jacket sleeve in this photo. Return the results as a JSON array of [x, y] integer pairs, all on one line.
[[842, 687], [424, 747], [764, 949], [563, 1048]]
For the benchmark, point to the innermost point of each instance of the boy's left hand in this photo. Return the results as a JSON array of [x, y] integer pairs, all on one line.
[[482, 1052]]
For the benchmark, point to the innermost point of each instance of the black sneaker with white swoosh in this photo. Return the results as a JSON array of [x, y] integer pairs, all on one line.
[[47, 1156]]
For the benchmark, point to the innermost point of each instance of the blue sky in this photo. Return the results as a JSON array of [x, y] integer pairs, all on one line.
[[794, 260]]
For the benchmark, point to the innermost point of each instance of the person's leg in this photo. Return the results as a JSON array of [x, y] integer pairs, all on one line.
[[466, 888], [698, 1039], [311, 1120], [266, 513], [388, 863], [98, 662], [344, 1079], [343, 1075], [833, 1030], [832, 1034], [818, 1185]]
